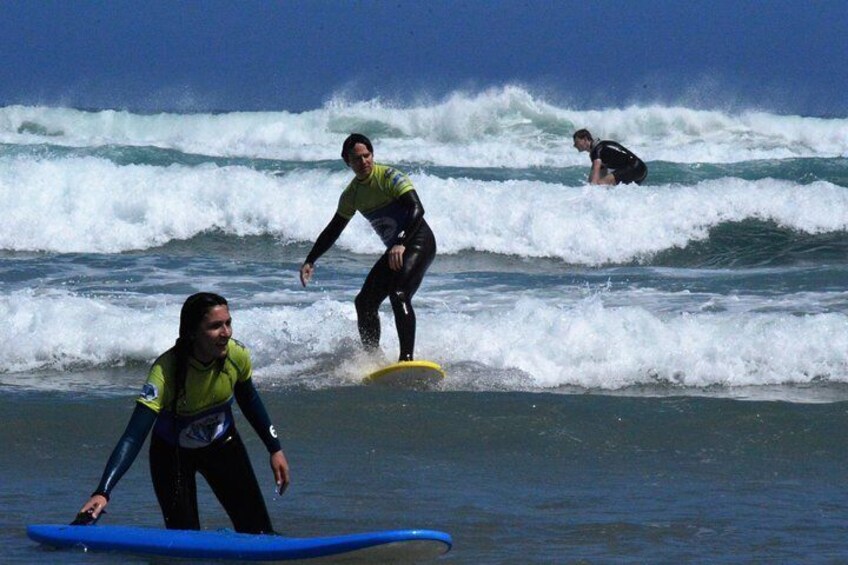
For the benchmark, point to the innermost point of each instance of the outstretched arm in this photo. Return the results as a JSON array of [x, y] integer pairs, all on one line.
[[122, 458], [324, 242]]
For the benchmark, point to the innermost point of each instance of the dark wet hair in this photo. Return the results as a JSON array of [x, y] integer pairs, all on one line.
[[352, 140], [195, 308], [192, 313], [582, 134]]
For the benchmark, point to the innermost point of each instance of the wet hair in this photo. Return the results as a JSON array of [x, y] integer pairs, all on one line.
[[194, 310], [582, 134], [192, 313], [352, 140]]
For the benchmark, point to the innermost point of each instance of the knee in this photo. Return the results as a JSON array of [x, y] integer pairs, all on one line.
[[400, 303], [398, 297], [359, 302], [364, 303]]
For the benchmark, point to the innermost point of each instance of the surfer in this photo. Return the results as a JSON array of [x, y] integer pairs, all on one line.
[[187, 401], [387, 198], [609, 156]]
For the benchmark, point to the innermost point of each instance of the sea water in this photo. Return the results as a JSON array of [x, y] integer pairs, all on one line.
[[652, 373]]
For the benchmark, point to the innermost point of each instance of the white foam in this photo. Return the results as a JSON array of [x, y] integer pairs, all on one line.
[[551, 344], [500, 127], [93, 205], [594, 226], [57, 331], [597, 347]]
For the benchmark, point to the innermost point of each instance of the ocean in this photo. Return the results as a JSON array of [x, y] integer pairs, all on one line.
[[641, 374]]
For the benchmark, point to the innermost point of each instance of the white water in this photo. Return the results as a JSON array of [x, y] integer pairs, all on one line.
[[554, 327], [93, 205], [505, 127], [542, 343]]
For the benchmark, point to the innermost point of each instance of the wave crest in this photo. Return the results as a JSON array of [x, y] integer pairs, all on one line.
[[506, 126]]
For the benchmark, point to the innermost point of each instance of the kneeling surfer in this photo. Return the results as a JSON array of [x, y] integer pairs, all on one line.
[[608, 156]]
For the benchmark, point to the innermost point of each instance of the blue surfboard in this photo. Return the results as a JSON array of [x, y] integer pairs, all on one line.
[[226, 544]]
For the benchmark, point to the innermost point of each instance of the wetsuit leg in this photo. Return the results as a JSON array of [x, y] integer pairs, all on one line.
[[407, 280], [374, 291], [175, 491], [226, 467], [399, 287], [632, 173]]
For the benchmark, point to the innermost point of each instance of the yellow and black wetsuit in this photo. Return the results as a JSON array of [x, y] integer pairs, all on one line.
[[388, 200], [200, 436]]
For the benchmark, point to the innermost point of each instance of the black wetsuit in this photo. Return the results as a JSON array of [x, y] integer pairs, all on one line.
[[399, 286], [408, 228], [226, 467], [625, 166]]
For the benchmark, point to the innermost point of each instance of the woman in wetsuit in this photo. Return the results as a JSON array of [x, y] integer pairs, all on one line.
[[387, 198], [187, 401]]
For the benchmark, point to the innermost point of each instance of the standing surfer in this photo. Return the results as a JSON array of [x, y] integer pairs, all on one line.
[[387, 198]]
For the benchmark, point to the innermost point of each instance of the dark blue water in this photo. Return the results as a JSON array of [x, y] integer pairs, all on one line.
[[531, 478]]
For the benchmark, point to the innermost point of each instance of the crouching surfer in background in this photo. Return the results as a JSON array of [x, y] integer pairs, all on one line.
[[187, 401], [386, 197], [609, 156]]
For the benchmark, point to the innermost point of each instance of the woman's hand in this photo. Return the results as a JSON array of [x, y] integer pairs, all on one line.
[[94, 506], [396, 257], [306, 271], [280, 467]]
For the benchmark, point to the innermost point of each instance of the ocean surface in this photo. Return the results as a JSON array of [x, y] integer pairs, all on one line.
[[645, 374]]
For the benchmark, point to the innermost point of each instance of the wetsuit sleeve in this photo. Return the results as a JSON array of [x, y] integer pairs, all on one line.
[[254, 410], [410, 200], [327, 238], [595, 153], [125, 452]]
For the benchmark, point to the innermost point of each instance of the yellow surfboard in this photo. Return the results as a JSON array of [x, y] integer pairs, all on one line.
[[407, 374]]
